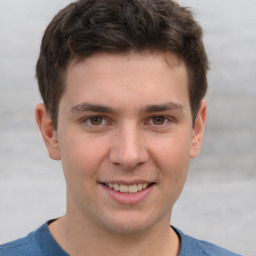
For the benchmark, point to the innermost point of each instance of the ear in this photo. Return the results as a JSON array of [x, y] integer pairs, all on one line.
[[49, 135], [198, 130]]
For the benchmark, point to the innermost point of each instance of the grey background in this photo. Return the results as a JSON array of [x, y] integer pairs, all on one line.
[[218, 203]]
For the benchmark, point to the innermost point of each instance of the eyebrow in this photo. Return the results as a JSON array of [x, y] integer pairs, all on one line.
[[85, 106], [170, 106]]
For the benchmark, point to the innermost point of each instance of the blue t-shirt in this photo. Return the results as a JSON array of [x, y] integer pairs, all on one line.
[[42, 243]]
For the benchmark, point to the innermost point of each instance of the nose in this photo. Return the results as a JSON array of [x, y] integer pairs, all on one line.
[[128, 148]]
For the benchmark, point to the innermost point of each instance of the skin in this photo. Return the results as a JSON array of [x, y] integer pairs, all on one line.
[[123, 118]]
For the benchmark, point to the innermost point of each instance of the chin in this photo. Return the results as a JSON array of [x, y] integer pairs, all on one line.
[[130, 224], [128, 228]]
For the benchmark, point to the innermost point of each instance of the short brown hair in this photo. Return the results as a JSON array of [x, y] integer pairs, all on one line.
[[86, 27]]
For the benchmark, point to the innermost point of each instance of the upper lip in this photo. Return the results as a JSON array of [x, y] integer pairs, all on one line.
[[125, 182]]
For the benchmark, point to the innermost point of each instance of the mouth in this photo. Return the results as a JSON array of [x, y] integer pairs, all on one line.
[[128, 189], [128, 193]]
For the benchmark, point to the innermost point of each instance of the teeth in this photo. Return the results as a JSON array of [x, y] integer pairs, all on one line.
[[123, 188], [128, 188], [133, 188], [116, 187], [139, 187]]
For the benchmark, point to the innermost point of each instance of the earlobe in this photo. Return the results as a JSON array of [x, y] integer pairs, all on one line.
[[198, 130], [48, 132]]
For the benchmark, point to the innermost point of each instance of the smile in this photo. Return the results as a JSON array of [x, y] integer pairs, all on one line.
[[123, 188], [131, 193]]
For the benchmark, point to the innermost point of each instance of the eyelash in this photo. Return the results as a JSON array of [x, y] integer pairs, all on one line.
[[89, 118], [104, 120], [165, 120]]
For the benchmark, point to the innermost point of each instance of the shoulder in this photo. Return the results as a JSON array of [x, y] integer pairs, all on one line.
[[39, 242], [194, 247], [22, 246]]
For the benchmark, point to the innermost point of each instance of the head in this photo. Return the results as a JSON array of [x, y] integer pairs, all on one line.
[[88, 27], [122, 82]]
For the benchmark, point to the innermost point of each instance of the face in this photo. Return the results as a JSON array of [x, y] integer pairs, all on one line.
[[125, 137]]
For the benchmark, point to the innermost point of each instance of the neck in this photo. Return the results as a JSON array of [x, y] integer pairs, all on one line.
[[77, 237]]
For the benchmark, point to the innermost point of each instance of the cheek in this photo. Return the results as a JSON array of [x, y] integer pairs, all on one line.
[[81, 155], [174, 149], [174, 170], [172, 158]]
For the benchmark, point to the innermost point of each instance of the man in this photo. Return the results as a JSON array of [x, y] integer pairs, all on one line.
[[123, 84]]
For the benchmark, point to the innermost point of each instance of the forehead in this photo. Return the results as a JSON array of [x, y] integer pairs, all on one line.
[[132, 58], [137, 77]]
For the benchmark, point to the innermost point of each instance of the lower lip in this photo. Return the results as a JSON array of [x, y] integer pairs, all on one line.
[[126, 198]]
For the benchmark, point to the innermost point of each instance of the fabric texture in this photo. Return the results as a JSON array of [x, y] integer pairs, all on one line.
[[42, 243]]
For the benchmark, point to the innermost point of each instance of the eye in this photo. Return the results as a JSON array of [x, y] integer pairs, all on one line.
[[95, 123], [95, 120], [159, 120]]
